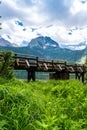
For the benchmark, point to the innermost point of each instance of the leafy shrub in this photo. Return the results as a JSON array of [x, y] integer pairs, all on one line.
[[6, 61]]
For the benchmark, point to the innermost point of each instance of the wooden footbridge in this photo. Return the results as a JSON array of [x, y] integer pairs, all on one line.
[[60, 70], [56, 69]]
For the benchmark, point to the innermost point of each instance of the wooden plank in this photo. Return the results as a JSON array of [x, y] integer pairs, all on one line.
[[70, 69], [45, 65], [79, 69], [17, 61], [59, 67], [27, 63]]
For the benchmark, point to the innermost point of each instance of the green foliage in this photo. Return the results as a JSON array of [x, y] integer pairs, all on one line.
[[49, 53], [50, 105], [86, 65], [86, 61], [6, 61]]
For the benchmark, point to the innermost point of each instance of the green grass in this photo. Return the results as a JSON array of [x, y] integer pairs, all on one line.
[[51, 105]]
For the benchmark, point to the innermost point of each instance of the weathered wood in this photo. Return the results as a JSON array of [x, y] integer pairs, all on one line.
[[83, 77], [45, 65], [70, 69], [76, 75], [31, 75], [61, 69], [27, 63]]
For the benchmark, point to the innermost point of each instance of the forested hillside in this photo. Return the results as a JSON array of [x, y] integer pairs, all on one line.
[[50, 53]]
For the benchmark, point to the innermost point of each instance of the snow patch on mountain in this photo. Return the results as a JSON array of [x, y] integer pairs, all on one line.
[[4, 42], [77, 46], [43, 42], [7, 38]]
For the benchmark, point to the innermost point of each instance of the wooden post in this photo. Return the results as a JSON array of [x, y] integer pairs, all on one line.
[[76, 75], [83, 77], [37, 61], [65, 63], [83, 74], [79, 76], [52, 65], [31, 75]]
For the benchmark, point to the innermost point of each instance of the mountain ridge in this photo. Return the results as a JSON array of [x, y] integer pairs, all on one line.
[[4, 42], [43, 42], [46, 48]]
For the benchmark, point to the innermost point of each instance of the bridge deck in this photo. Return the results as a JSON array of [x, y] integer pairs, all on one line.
[[33, 64]]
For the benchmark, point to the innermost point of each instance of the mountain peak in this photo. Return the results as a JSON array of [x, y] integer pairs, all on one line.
[[43, 42], [4, 42]]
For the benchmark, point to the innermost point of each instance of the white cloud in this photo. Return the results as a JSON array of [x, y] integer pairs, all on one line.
[[16, 32], [61, 34], [78, 7], [56, 32], [62, 15]]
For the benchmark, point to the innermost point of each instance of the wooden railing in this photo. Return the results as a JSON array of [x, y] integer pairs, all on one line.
[[29, 62], [33, 64]]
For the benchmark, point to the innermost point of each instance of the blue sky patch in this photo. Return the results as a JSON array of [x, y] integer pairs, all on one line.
[[83, 1], [19, 23]]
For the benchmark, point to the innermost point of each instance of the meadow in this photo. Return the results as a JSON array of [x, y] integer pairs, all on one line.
[[43, 105]]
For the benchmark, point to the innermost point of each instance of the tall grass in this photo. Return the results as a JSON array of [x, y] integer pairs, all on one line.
[[51, 105]]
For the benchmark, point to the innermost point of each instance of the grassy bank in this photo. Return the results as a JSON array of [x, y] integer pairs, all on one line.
[[51, 105]]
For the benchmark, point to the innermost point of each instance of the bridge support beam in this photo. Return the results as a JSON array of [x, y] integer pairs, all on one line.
[[59, 75], [83, 77], [76, 75], [31, 75], [80, 76]]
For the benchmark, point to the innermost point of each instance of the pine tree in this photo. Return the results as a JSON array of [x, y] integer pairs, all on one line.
[[6, 64]]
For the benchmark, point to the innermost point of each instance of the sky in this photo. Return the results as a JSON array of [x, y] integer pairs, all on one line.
[[65, 21]]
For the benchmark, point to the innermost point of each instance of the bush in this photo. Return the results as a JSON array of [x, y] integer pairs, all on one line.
[[6, 62]]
